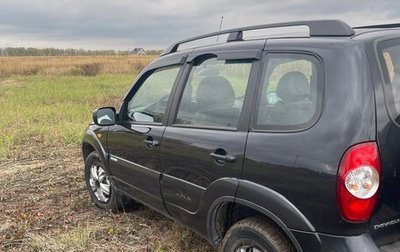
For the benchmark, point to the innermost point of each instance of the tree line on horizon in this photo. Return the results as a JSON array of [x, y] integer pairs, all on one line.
[[30, 51]]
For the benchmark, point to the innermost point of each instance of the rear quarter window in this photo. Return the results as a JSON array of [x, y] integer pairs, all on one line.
[[291, 92], [389, 59]]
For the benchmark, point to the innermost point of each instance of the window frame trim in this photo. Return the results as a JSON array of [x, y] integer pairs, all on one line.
[[321, 87]]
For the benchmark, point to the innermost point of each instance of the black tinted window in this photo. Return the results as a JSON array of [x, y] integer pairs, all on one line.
[[289, 93], [214, 93]]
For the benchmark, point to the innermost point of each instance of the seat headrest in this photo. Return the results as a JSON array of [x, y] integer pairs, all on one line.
[[293, 87], [215, 91]]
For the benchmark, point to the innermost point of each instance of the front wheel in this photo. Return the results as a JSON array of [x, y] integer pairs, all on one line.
[[255, 234], [99, 185]]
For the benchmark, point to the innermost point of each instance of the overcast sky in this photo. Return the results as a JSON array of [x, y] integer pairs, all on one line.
[[154, 24]]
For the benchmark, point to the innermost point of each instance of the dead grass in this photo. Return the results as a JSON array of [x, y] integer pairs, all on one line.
[[73, 65], [44, 206]]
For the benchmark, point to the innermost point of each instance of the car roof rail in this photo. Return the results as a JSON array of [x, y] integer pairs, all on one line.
[[318, 28], [394, 25]]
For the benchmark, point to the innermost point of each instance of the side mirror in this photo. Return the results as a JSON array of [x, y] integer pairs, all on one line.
[[104, 116]]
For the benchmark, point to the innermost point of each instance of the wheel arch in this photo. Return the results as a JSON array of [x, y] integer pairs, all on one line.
[[251, 200], [87, 148], [91, 143]]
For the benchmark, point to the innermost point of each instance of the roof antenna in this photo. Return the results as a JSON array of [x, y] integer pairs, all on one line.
[[220, 26]]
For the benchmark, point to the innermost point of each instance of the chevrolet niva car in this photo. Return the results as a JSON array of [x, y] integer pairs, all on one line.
[[281, 143]]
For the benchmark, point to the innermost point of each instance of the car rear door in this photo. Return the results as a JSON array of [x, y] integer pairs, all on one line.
[[203, 145], [282, 144]]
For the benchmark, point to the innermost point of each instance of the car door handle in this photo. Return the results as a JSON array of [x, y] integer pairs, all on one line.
[[227, 157], [150, 142]]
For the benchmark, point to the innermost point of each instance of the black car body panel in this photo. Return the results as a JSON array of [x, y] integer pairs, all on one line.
[[131, 160], [385, 224], [188, 169], [309, 159], [288, 175]]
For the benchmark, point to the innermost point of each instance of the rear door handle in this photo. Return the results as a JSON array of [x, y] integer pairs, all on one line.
[[150, 142], [227, 157]]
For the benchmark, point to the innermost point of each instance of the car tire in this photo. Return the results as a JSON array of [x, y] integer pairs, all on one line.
[[255, 234], [100, 188]]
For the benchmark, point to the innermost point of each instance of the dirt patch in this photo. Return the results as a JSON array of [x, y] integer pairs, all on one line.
[[44, 206]]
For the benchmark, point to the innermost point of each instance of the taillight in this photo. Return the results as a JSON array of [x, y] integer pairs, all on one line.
[[358, 181]]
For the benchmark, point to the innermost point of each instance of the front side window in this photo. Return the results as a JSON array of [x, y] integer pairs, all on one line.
[[389, 54], [150, 100], [214, 93], [289, 92]]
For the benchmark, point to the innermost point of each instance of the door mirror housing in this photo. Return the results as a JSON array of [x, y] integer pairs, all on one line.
[[105, 116]]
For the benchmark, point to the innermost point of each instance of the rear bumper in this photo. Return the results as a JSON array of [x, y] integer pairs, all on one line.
[[324, 242]]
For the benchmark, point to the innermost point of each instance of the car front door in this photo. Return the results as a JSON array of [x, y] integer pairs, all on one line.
[[134, 142], [203, 146]]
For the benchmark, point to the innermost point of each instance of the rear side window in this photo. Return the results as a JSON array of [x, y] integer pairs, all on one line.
[[389, 57], [214, 93], [289, 97]]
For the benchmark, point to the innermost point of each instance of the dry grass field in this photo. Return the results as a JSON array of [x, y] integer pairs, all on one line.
[[72, 65], [46, 103]]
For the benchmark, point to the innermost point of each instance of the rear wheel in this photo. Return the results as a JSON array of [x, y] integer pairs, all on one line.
[[255, 234], [98, 183]]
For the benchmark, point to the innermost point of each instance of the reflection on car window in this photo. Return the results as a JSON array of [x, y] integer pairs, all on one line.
[[150, 101], [289, 92], [214, 93], [391, 57]]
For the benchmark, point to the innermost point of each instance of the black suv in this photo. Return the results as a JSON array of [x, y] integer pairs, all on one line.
[[285, 143]]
